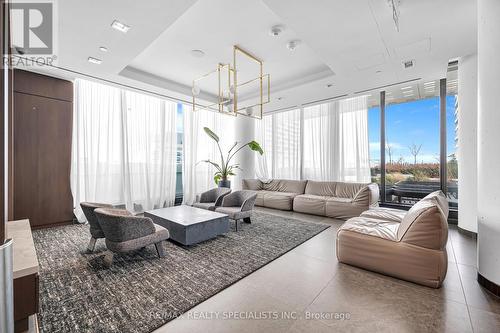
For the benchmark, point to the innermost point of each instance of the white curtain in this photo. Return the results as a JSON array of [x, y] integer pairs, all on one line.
[[336, 141], [264, 136], [321, 142], [123, 149], [279, 135], [197, 176]]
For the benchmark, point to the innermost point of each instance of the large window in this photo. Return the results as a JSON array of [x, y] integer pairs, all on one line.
[[419, 137], [412, 146]]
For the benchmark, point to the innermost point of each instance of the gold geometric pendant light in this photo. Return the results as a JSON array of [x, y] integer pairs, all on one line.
[[241, 87]]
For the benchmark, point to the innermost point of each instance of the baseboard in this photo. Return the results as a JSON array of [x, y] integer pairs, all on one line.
[[50, 225], [488, 285]]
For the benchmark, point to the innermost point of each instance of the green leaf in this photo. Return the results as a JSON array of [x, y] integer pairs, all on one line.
[[214, 164], [255, 146], [217, 177], [211, 134]]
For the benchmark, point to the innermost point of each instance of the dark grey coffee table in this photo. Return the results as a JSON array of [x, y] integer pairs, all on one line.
[[189, 225]]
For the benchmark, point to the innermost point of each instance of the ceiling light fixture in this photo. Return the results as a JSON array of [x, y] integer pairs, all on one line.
[[122, 27], [406, 88], [276, 30], [197, 53], [94, 60], [292, 45], [103, 49]]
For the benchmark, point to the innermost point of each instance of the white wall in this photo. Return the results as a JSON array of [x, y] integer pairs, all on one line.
[[489, 139], [244, 131], [467, 142]]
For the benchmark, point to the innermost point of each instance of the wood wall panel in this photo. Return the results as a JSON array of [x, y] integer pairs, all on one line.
[[42, 149]]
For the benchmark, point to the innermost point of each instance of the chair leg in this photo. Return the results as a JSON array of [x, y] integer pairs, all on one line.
[[108, 258], [160, 249], [236, 223], [247, 220], [91, 246]]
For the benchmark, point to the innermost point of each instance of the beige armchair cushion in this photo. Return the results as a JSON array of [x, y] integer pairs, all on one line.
[[426, 223], [385, 214], [373, 227]]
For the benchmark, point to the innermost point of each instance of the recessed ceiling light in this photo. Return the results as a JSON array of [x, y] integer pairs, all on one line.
[[276, 30], [122, 27], [405, 88], [197, 53], [94, 60], [292, 45], [429, 83], [103, 49]]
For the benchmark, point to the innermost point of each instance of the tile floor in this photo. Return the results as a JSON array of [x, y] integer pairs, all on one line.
[[308, 282]]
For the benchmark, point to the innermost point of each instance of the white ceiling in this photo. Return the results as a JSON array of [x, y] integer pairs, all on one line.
[[351, 44]]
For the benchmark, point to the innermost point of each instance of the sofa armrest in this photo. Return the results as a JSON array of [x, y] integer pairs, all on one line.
[[368, 195]]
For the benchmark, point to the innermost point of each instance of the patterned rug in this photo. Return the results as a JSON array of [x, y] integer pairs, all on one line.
[[142, 292]]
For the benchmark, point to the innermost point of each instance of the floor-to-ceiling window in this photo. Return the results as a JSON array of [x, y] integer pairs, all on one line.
[[412, 142]]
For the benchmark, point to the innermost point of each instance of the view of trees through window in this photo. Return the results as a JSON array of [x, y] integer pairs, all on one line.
[[412, 143]]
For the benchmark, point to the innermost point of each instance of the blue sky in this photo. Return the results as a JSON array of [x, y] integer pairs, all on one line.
[[415, 122]]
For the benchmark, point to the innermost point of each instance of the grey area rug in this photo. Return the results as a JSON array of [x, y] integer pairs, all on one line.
[[142, 292]]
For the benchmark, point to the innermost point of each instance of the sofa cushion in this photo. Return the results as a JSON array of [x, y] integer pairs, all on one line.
[[320, 188], [349, 190], [310, 204], [343, 208], [252, 184], [385, 214], [373, 227], [276, 200], [284, 185], [426, 224]]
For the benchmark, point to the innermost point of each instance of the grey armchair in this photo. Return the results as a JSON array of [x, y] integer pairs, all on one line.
[[95, 229], [125, 232], [211, 198], [238, 206]]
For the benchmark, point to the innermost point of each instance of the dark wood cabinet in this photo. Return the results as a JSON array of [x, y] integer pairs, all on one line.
[[43, 109]]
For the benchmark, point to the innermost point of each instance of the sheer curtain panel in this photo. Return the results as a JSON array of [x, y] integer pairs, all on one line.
[[123, 150], [197, 176]]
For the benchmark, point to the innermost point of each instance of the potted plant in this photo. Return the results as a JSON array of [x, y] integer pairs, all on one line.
[[224, 169]]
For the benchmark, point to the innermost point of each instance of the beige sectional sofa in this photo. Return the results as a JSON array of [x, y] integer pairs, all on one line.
[[410, 245], [333, 199]]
